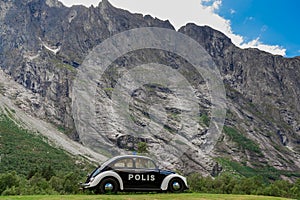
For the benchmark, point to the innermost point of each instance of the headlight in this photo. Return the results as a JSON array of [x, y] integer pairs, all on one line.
[[92, 179]]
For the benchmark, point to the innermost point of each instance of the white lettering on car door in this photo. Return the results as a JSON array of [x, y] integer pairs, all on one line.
[[141, 177], [130, 176]]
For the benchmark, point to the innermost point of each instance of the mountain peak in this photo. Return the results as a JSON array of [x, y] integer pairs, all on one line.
[[42, 49], [54, 3], [105, 4]]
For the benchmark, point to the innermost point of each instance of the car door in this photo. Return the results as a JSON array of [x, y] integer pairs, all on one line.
[[124, 167], [146, 176]]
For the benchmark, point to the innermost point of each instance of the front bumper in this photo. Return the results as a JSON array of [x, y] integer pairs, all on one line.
[[84, 185]]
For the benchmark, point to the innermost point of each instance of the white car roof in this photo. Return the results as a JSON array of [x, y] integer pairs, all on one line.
[[125, 156]]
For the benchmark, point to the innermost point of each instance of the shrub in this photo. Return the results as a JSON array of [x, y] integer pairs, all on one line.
[[232, 184], [8, 180]]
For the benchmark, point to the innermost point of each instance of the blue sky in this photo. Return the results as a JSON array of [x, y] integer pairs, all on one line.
[[270, 25], [275, 22]]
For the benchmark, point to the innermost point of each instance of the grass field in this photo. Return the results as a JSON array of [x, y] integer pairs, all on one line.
[[189, 196]]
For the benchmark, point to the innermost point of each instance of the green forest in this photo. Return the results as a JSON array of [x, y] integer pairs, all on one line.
[[29, 165]]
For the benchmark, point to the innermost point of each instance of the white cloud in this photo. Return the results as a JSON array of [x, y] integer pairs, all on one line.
[[179, 13], [87, 3], [249, 19], [275, 49], [264, 28]]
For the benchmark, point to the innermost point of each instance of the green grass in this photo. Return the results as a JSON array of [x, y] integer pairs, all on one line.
[[23, 151], [204, 120], [246, 171], [189, 196], [241, 140], [60, 64], [267, 172]]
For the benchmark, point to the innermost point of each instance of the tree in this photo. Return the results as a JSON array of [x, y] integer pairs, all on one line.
[[142, 147], [47, 172], [295, 190], [8, 180]]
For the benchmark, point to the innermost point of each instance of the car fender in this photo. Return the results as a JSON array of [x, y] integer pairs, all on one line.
[[165, 182], [105, 174]]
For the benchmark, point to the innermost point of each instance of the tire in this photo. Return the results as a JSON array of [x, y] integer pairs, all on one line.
[[176, 185], [108, 186]]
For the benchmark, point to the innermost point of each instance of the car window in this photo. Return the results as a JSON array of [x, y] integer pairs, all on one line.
[[143, 163], [124, 163], [96, 172]]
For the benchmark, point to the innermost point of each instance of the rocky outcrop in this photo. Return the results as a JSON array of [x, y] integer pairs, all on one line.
[[16, 102], [44, 43]]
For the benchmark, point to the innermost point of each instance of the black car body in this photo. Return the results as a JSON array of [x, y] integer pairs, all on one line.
[[133, 173]]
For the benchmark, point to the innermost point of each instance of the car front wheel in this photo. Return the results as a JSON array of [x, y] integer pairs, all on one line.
[[108, 186], [176, 185]]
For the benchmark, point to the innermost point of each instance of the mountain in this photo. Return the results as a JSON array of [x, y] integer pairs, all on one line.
[[43, 46]]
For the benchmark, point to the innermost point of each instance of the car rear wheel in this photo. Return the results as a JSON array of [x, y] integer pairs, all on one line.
[[176, 185], [108, 186]]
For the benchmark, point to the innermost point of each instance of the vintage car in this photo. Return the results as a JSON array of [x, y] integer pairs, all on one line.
[[133, 173]]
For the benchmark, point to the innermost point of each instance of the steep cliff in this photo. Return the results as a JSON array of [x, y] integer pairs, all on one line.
[[43, 44]]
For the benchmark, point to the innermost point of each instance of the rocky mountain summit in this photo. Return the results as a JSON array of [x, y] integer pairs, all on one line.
[[44, 43]]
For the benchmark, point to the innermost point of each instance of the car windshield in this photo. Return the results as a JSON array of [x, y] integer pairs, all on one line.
[[96, 172]]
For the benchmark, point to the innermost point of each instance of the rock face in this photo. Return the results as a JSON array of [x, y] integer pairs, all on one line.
[[44, 43], [263, 95]]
